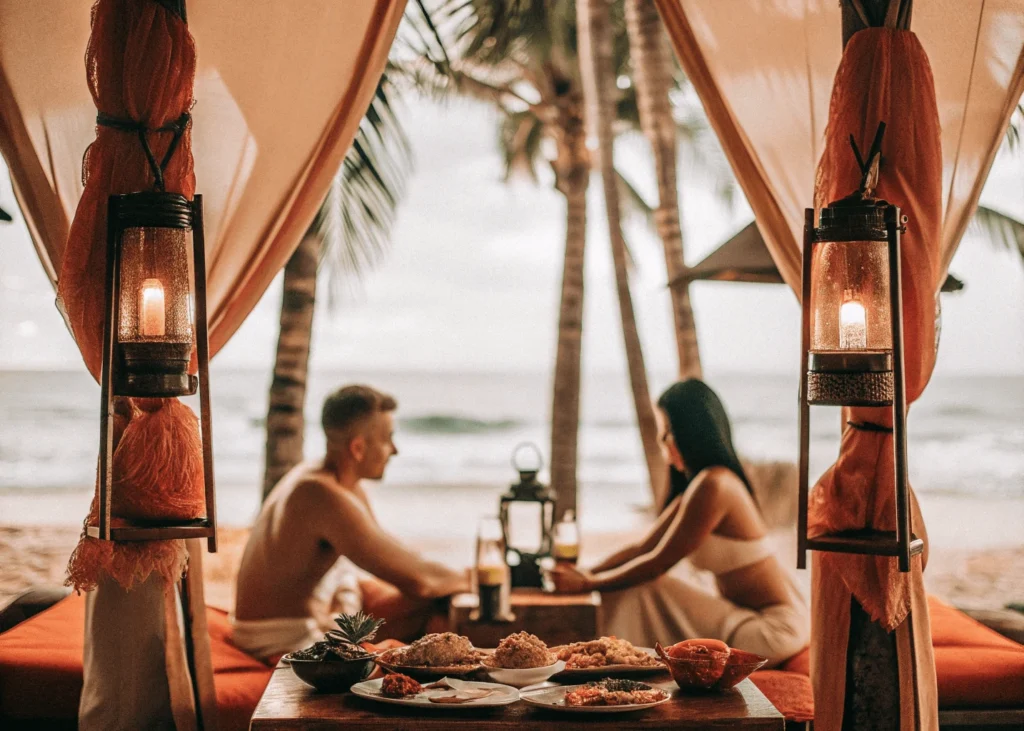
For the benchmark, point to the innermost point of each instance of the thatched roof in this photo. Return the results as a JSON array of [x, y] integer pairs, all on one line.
[[745, 258]]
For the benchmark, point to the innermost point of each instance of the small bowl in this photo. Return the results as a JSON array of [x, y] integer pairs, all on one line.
[[740, 665], [522, 677], [716, 671], [332, 676]]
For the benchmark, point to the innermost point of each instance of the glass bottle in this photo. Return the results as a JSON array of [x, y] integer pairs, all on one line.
[[492, 575], [567, 539]]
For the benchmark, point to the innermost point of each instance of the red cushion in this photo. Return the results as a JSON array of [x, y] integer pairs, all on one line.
[[41, 667]]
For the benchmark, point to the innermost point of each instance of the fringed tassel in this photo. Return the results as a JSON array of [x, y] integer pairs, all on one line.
[[158, 466], [158, 473]]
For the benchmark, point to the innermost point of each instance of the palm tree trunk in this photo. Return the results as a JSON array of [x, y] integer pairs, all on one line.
[[652, 66], [572, 173], [285, 416], [595, 45]]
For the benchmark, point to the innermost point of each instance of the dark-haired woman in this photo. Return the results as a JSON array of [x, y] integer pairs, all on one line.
[[711, 518]]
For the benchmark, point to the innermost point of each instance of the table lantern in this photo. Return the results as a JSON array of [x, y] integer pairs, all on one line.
[[852, 349], [155, 311], [527, 519]]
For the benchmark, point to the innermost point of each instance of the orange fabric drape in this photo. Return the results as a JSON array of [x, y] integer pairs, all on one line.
[[280, 89], [950, 115], [744, 58], [884, 76], [140, 67]]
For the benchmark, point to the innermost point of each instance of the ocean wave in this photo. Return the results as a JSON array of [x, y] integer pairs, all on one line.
[[454, 424]]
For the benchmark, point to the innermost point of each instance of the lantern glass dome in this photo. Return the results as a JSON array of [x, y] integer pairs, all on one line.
[[850, 296], [155, 291]]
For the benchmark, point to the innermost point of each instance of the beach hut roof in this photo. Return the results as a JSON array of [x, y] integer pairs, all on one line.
[[745, 258]]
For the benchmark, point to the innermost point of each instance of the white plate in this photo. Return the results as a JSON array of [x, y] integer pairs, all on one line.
[[521, 677], [554, 699], [505, 695]]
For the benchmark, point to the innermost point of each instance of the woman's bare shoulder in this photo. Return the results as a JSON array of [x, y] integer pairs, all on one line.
[[716, 483]]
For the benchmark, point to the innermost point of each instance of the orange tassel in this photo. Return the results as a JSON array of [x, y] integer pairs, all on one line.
[[158, 466], [157, 473]]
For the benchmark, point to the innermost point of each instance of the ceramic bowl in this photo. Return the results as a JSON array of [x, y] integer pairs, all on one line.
[[713, 672], [332, 676], [522, 677]]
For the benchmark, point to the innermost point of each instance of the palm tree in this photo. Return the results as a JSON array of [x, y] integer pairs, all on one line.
[[596, 50], [349, 234], [653, 73], [519, 57]]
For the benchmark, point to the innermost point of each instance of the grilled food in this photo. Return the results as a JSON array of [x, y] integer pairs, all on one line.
[[602, 652], [610, 692], [442, 649], [520, 651], [396, 685]]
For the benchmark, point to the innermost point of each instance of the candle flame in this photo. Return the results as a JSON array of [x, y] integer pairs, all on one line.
[[151, 310], [852, 325]]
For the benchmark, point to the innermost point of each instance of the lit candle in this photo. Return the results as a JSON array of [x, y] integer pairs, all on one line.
[[852, 328], [151, 309]]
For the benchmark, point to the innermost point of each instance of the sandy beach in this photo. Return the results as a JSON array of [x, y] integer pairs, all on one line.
[[977, 546]]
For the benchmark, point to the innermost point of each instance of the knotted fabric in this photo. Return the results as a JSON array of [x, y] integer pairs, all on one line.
[[140, 67]]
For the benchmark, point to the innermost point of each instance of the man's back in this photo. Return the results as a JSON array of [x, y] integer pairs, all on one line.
[[286, 557]]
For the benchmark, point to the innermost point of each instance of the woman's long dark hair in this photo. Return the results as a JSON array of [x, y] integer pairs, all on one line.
[[702, 434]]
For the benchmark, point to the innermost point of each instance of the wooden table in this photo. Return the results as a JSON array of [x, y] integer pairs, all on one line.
[[558, 619], [288, 703]]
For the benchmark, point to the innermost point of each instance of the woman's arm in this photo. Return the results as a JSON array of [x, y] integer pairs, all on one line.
[[688, 528], [653, 537]]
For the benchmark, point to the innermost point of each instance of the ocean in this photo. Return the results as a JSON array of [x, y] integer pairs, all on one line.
[[458, 430]]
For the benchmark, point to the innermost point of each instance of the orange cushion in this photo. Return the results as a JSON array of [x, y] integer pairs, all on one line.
[[976, 667], [41, 667], [953, 628]]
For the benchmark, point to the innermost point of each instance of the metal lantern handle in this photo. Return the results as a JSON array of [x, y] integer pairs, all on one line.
[[522, 446]]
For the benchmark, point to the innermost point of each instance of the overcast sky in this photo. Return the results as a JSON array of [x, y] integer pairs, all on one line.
[[472, 280]]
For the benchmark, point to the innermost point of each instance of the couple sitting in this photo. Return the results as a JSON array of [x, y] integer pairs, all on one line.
[[296, 572]]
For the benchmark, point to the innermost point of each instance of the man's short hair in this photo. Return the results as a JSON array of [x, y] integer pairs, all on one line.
[[351, 404]]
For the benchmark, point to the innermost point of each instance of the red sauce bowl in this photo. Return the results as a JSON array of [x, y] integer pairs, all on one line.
[[709, 670]]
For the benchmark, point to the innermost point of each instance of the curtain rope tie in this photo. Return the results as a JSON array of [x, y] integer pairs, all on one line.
[[178, 127]]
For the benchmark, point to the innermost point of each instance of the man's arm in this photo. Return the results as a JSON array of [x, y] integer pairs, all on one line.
[[347, 525]]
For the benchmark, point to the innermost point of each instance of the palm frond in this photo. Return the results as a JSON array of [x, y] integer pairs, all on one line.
[[357, 216], [1000, 229], [519, 138], [634, 205]]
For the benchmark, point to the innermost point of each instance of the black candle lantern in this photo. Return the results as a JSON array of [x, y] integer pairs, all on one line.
[[155, 310], [527, 519], [852, 340]]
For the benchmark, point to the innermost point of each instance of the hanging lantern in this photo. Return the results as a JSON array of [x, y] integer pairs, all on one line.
[[852, 344], [156, 310], [527, 517], [153, 277]]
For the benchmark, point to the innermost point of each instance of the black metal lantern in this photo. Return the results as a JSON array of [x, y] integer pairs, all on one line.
[[155, 310], [852, 344], [527, 516]]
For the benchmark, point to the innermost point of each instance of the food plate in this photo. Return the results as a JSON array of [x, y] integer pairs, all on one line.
[[503, 695], [554, 699], [579, 675], [426, 672]]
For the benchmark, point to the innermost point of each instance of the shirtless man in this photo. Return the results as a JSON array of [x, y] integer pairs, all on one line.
[[319, 513]]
